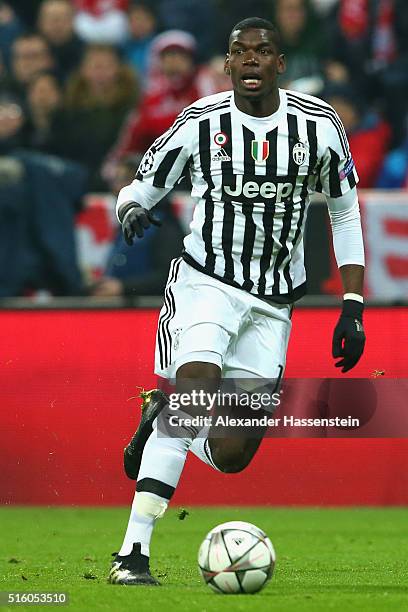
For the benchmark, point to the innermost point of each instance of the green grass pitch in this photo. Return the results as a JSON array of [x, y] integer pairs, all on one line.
[[352, 559]]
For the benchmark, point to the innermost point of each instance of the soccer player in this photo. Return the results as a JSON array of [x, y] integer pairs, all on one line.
[[254, 155]]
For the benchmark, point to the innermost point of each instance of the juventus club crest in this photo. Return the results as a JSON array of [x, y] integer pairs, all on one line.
[[260, 150], [299, 153]]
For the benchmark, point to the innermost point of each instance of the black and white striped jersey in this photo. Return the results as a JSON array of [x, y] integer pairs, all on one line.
[[251, 180]]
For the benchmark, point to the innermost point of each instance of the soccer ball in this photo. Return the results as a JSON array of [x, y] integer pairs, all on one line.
[[236, 557]]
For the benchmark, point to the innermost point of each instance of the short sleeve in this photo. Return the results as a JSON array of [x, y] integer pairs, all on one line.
[[336, 172]]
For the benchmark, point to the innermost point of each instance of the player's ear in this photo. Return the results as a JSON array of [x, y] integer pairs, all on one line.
[[226, 64], [281, 64]]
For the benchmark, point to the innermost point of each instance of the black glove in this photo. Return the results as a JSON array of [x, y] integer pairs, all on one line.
[[349, 336], [135, 219]]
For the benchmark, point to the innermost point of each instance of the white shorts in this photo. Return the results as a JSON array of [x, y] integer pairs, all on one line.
[[203, 319]]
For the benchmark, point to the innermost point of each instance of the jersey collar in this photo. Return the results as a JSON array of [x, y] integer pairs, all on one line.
[[270, 118]]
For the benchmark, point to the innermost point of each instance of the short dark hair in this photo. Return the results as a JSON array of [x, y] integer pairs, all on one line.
[[143, 4], [257, 23], [29, 35]]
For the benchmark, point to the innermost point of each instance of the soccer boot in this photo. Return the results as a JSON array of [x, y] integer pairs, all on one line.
[[153, 403], [132, 569]]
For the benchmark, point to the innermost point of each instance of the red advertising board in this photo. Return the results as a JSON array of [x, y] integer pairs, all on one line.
[[69, 386]]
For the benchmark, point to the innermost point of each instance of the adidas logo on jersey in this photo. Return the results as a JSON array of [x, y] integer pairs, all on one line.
[[221, 156]]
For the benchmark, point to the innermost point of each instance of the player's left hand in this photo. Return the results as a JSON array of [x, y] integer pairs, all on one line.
[[349, 336]]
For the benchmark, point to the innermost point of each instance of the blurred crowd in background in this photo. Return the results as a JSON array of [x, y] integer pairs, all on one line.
[[87, 85]]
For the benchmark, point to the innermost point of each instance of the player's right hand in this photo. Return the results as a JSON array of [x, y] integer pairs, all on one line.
[[136, 220]]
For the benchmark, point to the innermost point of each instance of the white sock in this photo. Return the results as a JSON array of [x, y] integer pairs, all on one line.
[[162, 461], [140, 527], [164, 457], [200, 447]]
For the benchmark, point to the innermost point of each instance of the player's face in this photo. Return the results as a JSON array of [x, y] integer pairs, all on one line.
[[254, 62]]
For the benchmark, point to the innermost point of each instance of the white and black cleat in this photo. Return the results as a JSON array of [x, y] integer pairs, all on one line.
[[132, 569], [153, 403]]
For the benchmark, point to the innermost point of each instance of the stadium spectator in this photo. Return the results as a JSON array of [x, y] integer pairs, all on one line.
[[323, 7], [10, 28], [101, 21], [228, 12], [172, 86], [30, 55], [12, 124], [366, 34], [368, 134], [142, 30], [98, 98], [56, 24], [4, 79], [142, 270], [211, 77], [370, 37], [26, 11], [193, 16], [303, 43], [394, 171], [44, 98], [39, 197]]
